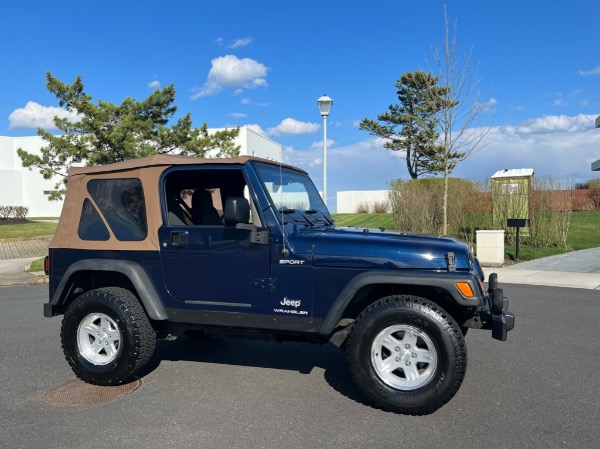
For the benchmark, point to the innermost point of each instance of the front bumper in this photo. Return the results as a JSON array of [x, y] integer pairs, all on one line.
[[497, 317]]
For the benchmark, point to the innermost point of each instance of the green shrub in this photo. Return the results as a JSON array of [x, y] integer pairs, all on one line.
[[417, 206], [594, 193], [362, 208]]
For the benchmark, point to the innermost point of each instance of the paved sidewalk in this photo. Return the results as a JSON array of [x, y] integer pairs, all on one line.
[[25, 247], [16, 256], [12, 272], [576, 269]]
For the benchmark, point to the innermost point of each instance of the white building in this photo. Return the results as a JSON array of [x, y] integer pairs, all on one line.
[[348, 202], [20, 186]]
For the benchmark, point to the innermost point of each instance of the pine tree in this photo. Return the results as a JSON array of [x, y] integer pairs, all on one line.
[[103, 132], [410, 126]]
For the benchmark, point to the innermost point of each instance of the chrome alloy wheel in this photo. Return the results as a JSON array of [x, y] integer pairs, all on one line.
[[98, 339], [404, 357]]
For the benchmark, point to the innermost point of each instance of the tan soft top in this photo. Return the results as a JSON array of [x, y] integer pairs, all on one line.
[[148, 170], [168, 160]]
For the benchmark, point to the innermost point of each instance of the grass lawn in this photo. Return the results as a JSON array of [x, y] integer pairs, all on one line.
[[33, 229], [372, 221], [37, 265], [584, 233]]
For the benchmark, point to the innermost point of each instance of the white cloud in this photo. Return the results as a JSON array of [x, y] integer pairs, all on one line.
[[593, 72], [290, 126], [238, 115], [303, 158], [236, 43], [560, 146], [229, 72], [489, 105], [239, 43], [154, 84], [257, 129], [319, 144], [34, 115], [550, 124]]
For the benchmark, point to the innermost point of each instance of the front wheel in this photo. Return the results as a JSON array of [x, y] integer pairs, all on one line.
[[407, 355], [107, 336]]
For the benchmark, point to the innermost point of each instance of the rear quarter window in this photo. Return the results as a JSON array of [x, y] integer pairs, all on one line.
[[122, 203], [91, 226]]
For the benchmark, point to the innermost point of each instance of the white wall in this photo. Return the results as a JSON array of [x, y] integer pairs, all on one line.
[[348, 201], [253, 144], [260, 146], [20, 186], [12, 188]]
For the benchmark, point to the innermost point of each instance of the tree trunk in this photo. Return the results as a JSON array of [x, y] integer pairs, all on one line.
[[445, 204]]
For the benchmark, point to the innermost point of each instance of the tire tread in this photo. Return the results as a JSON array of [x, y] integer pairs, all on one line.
[[143, 338], [407, 303]]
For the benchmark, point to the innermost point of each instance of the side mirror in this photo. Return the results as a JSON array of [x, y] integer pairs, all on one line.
[[237, 210], [237, 213]]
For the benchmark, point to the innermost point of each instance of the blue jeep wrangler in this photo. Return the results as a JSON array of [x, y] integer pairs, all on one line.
[[169, 244]]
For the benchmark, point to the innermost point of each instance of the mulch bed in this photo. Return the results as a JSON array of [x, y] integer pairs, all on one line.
[[13, 221]]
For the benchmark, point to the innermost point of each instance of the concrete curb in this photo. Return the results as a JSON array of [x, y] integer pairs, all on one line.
[[24, 239]]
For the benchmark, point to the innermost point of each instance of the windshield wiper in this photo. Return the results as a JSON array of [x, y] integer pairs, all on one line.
[[314, 211], [291, 211]]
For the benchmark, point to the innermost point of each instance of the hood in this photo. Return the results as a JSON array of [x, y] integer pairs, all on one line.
[[373, 248]]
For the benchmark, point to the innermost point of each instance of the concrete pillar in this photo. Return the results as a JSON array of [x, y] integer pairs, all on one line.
[[490, 247]]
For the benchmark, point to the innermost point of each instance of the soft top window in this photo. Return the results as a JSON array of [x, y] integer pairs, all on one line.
[[197, 197], [121, 201], [91, 226]]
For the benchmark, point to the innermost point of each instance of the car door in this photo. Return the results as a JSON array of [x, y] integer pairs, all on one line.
[[210, 263]]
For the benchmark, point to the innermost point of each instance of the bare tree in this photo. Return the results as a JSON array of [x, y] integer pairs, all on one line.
[[462, 120]]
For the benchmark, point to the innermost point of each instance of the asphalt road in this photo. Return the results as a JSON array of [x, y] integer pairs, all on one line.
[[540, 389]]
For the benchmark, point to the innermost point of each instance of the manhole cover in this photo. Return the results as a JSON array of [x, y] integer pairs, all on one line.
[[76, 392]]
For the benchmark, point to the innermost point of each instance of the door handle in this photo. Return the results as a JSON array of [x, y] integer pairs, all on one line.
[[179, 239]]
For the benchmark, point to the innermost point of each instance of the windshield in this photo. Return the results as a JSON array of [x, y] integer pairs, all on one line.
[[293, 195]]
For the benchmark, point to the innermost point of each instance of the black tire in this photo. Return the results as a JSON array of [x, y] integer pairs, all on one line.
[[407, 355], [115, 315]]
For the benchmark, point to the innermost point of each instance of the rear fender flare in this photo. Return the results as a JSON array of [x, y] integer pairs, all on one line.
[[133, 271]]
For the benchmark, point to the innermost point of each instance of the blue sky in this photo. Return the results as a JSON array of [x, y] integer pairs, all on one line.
[[265, 63]]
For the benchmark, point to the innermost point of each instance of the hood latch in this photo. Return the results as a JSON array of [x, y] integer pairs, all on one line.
[[451, 261]]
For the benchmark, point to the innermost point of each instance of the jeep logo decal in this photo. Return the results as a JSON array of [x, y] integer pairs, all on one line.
[[291, 302]]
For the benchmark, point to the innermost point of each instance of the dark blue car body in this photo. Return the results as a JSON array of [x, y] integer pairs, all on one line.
[[294, 273]]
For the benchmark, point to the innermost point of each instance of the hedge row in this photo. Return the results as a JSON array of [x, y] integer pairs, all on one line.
[[18, 212]]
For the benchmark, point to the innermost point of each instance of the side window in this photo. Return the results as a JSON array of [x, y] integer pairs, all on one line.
[[91, 226], [121, 201], [197, 197]]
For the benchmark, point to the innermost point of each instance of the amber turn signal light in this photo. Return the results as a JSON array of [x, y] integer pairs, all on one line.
[[465, 289]]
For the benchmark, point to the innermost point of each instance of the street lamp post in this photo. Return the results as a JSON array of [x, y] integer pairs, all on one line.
[[324, 106]]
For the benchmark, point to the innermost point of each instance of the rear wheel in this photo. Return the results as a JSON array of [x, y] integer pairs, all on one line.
[[107, 336], [407, 355]]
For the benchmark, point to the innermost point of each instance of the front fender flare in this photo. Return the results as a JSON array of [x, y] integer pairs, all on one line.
[[441, 279]]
